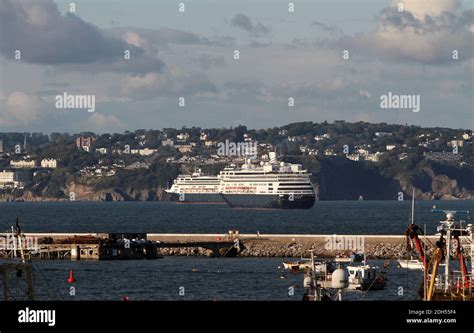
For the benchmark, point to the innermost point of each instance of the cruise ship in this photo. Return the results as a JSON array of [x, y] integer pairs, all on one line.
[[268, 185], [196, 188]]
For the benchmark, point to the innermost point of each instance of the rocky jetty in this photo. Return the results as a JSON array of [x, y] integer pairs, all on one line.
[[293, 250]]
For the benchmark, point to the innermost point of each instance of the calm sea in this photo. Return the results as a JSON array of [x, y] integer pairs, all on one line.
[[326, 217]]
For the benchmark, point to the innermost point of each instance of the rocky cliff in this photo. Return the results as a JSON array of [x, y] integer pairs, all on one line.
[[342, 179]]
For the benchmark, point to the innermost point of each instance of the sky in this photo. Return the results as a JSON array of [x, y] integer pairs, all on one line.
[[190, 55]]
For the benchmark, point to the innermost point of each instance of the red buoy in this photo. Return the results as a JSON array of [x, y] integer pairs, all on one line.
[[125, 298], [71, 278]]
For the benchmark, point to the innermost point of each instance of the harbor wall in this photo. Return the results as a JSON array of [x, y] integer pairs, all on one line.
[[294, 246], [266, 245]]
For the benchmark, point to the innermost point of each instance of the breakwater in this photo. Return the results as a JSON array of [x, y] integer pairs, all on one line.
[[295, 246], [228, 244]]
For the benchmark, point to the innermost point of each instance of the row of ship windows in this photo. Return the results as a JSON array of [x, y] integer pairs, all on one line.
[[268, 177], [282, 187], [271, 192]]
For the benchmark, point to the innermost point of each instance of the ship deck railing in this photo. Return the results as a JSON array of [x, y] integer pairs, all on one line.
[[457, 283]]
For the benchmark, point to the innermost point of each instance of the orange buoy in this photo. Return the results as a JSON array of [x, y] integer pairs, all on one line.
[[71, 278]]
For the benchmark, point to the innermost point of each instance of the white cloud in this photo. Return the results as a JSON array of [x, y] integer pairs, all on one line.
[[20, 108], [133, 38], [172, 83], [420, 8], [425, 32], [101, 122]]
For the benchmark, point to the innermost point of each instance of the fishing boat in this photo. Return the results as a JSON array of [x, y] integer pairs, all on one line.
[[455, 242], [366, 277], [349, 258], [319, 288], [299, 265], [305, 264], [410, 264]]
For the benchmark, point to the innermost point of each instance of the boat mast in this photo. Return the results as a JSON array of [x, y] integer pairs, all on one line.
[[447, 257], [14, 242]]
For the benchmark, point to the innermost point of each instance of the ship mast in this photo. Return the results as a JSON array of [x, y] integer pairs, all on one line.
[[17, 266]]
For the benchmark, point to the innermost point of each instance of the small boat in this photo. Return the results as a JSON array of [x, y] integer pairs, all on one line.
[[349, 258], [411, 233], [300, 265], [320, 267], [318, 287], [366, 277], [410, 264]]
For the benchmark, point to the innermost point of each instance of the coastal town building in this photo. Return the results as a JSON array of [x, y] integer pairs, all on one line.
[[184, 148], [210, 143], [303, 149], [49, 163], [364, 155], [353, 157], [12, 179], [373, 157], [456, 143], [363, 152], [23, 164], [102, 150], [295, 138], [85, 142], [182, 136], [167, 143], [144, 151], [329, 152], [321, 137], [382, 134]]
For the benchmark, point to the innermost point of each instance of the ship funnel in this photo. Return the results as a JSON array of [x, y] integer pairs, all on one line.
[[272, 156]]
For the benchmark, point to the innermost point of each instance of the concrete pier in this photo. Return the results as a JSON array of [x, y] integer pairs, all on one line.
[[103, 246]]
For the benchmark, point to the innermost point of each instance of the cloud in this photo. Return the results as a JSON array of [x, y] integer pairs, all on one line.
[[255, 43], [174, 83], [330, 29], [44, 36], [427, 7], [244, 91], [99, 122], [141, 37], [427, 35], [207, 61], [20, 108], [243, 22], [329, 88]]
